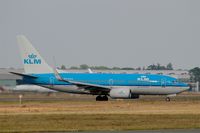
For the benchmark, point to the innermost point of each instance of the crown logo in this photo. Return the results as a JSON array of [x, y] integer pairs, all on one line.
[[32, 56]]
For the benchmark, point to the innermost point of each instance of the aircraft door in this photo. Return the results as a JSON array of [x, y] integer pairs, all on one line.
[[111, 82], [163, 82], [51, 81]]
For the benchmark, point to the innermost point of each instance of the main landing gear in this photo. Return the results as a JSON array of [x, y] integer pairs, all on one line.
[[101, 98]]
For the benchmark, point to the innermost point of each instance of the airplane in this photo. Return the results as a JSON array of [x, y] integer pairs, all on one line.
[[103, 85]]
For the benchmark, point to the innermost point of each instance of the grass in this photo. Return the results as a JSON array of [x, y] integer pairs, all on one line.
[[97, 122], [70, 113]]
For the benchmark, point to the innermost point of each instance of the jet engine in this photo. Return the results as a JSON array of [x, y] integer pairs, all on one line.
[[122, 93]]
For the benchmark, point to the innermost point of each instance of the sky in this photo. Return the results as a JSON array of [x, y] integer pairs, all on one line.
[[122, 33]]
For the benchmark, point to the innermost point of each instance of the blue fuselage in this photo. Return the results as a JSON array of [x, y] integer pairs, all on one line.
[[107, 79]]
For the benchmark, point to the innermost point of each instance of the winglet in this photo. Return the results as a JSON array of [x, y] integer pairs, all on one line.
[[89, 70], [57, 75]]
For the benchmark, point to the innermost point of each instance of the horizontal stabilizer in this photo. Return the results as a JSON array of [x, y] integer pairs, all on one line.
[[23, 75]]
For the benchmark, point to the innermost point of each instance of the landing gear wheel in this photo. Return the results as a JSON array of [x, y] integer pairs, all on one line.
[[105, 98], [167, 99], [100, 98]]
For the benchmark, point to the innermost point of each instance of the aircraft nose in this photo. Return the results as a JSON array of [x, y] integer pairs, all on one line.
[[186, 87]]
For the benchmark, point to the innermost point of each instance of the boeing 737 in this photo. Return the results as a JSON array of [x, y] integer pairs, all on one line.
[[116, 86]]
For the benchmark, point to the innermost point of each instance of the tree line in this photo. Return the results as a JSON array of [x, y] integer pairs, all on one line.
[[194, 73], [157, 66]]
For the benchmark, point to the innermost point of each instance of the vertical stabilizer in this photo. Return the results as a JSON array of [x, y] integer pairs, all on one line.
[[31, 59]]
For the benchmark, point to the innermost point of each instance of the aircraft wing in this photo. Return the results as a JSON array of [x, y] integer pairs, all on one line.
[[87, 86]]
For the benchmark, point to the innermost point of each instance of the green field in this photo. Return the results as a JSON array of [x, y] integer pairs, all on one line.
[[69, 113], [65, 122]]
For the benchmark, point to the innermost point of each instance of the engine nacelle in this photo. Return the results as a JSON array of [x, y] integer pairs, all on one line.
[[122, 93]]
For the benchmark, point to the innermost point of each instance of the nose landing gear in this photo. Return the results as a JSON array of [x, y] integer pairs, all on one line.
[[101, 98], [169, 96]]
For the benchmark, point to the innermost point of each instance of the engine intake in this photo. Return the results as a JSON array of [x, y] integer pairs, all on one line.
[[122, 93]]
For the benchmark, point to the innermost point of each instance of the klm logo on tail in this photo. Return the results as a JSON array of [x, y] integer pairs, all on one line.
[[32, 59]]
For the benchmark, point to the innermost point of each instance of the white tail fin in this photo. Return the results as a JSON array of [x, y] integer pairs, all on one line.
[[31, 59]]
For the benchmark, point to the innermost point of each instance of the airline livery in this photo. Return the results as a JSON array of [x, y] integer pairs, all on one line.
[[117, 86]]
